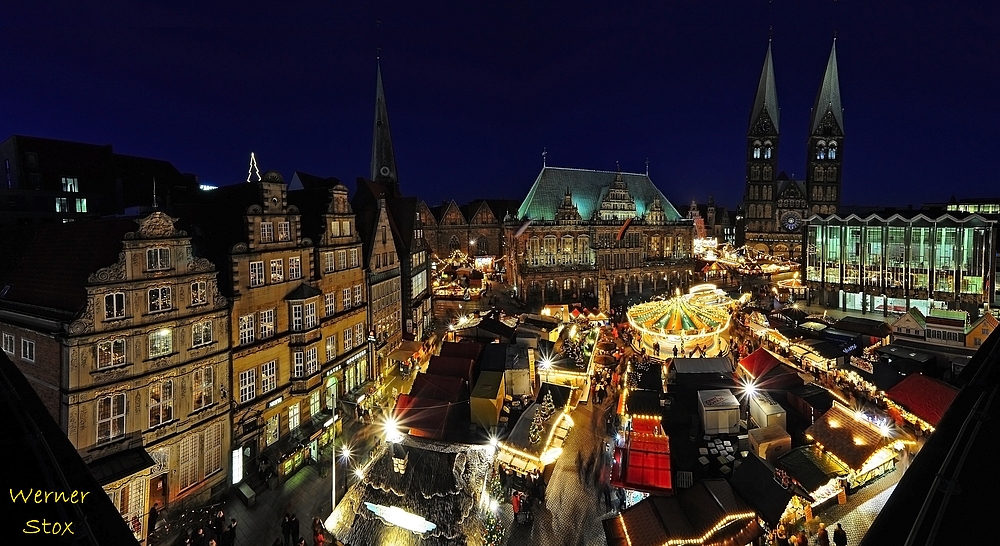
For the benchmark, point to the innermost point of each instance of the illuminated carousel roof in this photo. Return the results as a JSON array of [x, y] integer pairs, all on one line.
[[677, 315]]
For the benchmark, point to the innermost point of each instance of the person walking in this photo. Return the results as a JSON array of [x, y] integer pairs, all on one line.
[[840, 536], [154, 514], [230, 538], [286, 528], [822, 536], [294, 526]]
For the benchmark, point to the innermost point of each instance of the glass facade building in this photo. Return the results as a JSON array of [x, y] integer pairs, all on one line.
[[891, 261]]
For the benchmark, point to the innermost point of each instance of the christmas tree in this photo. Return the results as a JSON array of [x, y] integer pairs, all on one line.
[[493, 528], [548, 407], [535, 432]]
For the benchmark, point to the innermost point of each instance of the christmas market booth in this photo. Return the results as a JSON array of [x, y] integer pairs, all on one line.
[[820, 476], [766, 370], [776, 499], [700, 371], [920, 401], [854, 441], [415, 494], [709, 513], [525, 457], [641, 458]]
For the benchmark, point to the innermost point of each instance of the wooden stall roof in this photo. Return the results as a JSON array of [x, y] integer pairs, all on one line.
[[850, 439]]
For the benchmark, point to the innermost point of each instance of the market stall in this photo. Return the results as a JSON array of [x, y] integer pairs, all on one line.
[[770, 442], [775, 502], [537, 438], [821, 476], [856, 442], [920, 400], [767, 370], [720, 411]]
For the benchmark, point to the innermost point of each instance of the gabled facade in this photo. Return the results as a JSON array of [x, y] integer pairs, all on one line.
[[775, 206], [979, 330], [130, 355], [912, 325]]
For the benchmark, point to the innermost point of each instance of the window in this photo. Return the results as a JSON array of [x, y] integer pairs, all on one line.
[[833, 151], [335, 228], [199, 293], [298, 364], [329, 304], [256, 273], [266, 323], [81, 205], [312, 360], [267, 232], [345, 228], [248, 385], [246, 329], [61, 205], [8, 343], [28, 350], [310, 318], [277, 270], [295, 268], [110, 353], [213, 449], [161, 403], [354, 257], [114, 306], [273, 430], [297, 317], [160, 342], [284, 231], [157, 259], [268, 376], [201, 333], [203, 388], [331, 348], [348, 340], [329, 265], [357, 295], [70, 184], [314, 403], [159, 299], [293, 416], [189, 460], [346, 294], [110, 417], [342, 259], [359, 332]]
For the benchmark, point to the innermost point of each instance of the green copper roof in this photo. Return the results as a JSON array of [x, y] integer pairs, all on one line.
[[588, 189], [767, 93], [828, 97]]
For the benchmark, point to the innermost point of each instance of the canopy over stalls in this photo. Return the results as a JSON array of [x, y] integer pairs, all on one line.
[[702, 365], [882, 374], [849, 437], [708, 513], [643, 463], [463, 368], [875, 330], [647, 376], [461, 350], [643, 403], [767, 370], [439, 387], [754, 481], [810, 467], [907, 360], [426, 417], [486, 330], [924, 397], [439, 486]]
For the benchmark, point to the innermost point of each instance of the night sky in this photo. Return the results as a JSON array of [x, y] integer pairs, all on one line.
[[475, 93]]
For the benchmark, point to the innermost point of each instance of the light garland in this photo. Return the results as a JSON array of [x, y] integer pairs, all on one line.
[[726, 520]]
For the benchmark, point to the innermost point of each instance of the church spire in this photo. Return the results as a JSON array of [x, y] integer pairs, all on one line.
[[383, 165], [828, 98], [767, 94]]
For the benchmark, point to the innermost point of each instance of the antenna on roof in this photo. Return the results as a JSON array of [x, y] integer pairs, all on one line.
[[647, 167], [154, 192], [544, 153], [253, 168]]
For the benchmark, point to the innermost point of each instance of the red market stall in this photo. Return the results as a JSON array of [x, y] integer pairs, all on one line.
[[921, 400], [767, 370]]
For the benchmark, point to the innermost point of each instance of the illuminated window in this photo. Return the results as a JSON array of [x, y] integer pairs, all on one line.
[[248, 385], [357, 295], [256, 274], [160, 342], [284, 232], [202, 388], [293, 416], [199, 293], [268, 376], [331, 348], [273, 430], [266, 323], [329, 304], [201, 333], [246, 326], [157, 259], [81, 205], [110, 417], [70, 185], [110, 353], [159, 299], [277, 270], [267, 232], [312, 360], [161, 403], [294, 268], [114, 306], [61, 205]]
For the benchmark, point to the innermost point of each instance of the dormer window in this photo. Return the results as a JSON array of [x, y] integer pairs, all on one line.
[[345, 228], [267, 232], [157, 259], [335, 228], [284, 232]]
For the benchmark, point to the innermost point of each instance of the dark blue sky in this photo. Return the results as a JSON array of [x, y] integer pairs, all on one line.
[[475, 93]]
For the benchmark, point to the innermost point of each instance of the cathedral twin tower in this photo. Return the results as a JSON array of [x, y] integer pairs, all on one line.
[[774, 205]]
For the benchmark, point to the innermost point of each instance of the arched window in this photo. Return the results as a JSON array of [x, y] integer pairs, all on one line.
[[815, 209], [482, 246], [755, 172], [756, 149], [454, 244], [823, 209], [767, 172], [831, 174], [818, 174], [567, 244], [767, 211], [821, 150], [832, 154], [770, 195], [767, 149], [567, 284]]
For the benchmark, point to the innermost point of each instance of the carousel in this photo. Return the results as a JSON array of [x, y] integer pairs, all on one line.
[[690, 322]]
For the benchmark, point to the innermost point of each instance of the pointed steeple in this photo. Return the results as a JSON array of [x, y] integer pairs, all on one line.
[[383, 166], [828, 98], [767, 94]]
